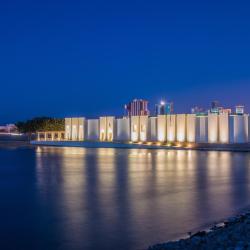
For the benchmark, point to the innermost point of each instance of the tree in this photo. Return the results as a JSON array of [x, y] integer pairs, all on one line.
[[40, 124]]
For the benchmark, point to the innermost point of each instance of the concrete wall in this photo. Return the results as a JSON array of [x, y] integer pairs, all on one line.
[[123, 129], [246, 121], [111, 128], [93, 129], [191, 127], [238, 129], [171, 128], [153, 128], [103, 128], [231, 128], [67, 128], [144, 128], [81, 129], [213, 128], [181, 127], [248, 128], [135, 128], [75, 129], [107, 128], [201, 129], [162, 128], [223, 128]]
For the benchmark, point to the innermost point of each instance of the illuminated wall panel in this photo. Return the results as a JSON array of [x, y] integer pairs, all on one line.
[[162, 128], [223, 128], [102, 128], [213, 130], [135, 128], [67, 128], [191, 127], [81, 129], [181, 127], [123, 129], [93, 129], [110, 128], [74, 130], [171, 125], [144, 128], [153, 128]]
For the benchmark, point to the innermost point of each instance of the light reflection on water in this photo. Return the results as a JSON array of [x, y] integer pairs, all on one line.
[[130, 199]]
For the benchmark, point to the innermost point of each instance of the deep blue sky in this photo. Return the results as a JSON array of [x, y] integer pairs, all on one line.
[[66, 58]]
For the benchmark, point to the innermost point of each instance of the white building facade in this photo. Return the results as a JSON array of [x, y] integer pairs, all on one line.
[[181, 128]]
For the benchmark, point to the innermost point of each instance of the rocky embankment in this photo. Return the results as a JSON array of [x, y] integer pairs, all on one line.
[[233, 234]]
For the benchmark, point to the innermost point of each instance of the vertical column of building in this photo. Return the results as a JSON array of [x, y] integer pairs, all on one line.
[[134, 108], [102, 128], [238, 129], [52, 135], [202, 129], [224, 128], [191, 128], [213, 128], [123, 129], [81, 128], [181, 127], [231, 128], [74, 130], [68, 129], [135, 123], [38, 136], [246, 125], [153, 128], [144, 128], [171, 128], [111, 128], [93, 129], [162, 128]]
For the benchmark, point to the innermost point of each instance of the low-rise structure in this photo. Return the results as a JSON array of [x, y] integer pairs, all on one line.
[[175, 128]]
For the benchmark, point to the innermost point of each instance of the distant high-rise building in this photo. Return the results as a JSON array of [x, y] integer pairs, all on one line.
[[197, 110], [169, 107], [215, 104], [164, 108], [226, 111], [137, 107], [239, 110], [215, 107]]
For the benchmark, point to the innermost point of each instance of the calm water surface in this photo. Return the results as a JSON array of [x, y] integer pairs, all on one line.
[[76, 198]]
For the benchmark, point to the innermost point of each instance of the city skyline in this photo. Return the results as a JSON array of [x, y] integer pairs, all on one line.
[[58, 58], [151, 109]]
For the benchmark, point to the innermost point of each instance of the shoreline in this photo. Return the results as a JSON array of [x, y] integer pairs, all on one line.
[[14, 144], [230, 233], [241, 147]]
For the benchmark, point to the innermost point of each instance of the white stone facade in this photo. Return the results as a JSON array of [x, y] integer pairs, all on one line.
[[183, 128]]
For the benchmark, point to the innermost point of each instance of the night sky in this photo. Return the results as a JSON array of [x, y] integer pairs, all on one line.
[[89, 58]]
